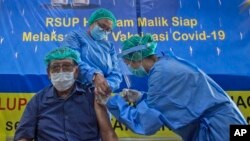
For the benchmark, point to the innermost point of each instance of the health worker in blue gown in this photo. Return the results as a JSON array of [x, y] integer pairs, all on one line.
[[180, 96], [99, 64]]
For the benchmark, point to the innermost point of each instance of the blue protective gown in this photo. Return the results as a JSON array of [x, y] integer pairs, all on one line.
[[96, 57], [183, 98]]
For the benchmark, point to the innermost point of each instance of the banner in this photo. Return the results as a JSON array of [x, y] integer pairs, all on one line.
[[12, 106], [212, 34]]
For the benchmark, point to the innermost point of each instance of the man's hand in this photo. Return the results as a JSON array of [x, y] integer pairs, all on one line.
[[101, 85], [131, 95]]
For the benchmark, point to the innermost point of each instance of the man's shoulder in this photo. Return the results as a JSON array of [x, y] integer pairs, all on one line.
[[87, 90], [40, 95], [45, 91], [84, 88]]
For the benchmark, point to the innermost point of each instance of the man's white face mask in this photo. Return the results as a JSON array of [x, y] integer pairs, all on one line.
[[62, 80]]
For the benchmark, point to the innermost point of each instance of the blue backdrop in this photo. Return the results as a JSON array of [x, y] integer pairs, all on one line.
[[213, 34]]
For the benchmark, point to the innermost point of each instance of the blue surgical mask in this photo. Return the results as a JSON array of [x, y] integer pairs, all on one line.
[[98, 33], [140, 72]]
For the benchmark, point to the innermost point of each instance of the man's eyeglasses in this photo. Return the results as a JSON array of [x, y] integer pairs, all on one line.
[[66, 67], [105, 27]]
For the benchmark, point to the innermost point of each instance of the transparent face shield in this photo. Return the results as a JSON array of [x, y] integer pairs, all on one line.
[[135, 54], [124, 69]]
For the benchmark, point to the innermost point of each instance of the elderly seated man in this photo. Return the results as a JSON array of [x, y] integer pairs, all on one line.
[[65, 110]]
